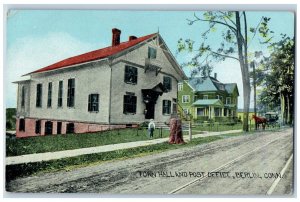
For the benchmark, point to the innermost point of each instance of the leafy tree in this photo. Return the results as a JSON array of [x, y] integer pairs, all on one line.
[[235, 39], [279, 77]]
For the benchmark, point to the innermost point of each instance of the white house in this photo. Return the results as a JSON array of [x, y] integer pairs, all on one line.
[[114, 87]]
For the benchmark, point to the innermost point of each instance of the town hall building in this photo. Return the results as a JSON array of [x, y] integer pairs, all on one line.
[[118, 86]]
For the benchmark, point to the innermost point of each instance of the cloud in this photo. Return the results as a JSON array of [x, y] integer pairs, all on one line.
[[30, 53]]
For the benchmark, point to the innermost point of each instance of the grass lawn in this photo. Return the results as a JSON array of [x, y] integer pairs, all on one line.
[[20, 170], [217, 127], [29, 145]]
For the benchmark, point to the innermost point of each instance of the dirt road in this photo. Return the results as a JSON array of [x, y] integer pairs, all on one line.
[[248, 164]]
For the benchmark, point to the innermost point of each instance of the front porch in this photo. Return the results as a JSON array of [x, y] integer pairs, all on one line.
[[213, 109]]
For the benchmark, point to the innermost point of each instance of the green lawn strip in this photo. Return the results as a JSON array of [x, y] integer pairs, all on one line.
[[30, 145], [21, 170], [217, 127]]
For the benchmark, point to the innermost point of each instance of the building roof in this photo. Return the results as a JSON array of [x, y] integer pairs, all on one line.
[[94, 55], [230, 87], [215, 102], [22, 81], [202, 84], [210, 84]]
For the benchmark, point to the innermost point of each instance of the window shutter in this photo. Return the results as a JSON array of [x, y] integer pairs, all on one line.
[[23, 97], [89, 103], [97, 102], [134, 104]]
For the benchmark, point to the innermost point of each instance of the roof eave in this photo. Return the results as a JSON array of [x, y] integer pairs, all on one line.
[[66, 67]]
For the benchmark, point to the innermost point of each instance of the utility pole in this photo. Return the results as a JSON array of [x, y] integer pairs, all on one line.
[[254, 89]]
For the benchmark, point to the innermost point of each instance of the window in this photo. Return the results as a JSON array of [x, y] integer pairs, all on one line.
[[217, 111], [48, 128], [93, 103], [229, 112], [38, 127], [228, 100], [60, 94], [166, 107], [49, 102], [167, 83], [39, 92], [205, 97], [185, 99], [22, 125], [200, 111], [23, 97], [130, 75], [195, 98], [59, 126], [70, 128], [151, 53], [186, 111], [217, 97], [129, 104], [180, 86], [221, 98], [71, 93]]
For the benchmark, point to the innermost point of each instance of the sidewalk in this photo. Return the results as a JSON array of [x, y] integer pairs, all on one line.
[[38, 157]]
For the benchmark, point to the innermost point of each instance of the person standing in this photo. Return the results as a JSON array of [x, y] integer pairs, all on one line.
[[151, 127]]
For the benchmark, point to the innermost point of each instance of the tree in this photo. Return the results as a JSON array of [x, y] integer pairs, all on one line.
[[279, 77], [235, 43]]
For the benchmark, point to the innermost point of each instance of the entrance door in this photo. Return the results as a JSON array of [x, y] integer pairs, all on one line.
[[150, 107], [48, 128]]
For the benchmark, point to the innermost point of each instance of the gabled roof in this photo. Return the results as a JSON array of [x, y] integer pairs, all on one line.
[[202, 84], [230, 87], [210, 84], [215, 102], [94, 55]]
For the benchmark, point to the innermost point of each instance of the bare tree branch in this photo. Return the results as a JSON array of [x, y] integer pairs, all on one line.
[[215, 21], [228, 18], [255, 31], [227, 56]]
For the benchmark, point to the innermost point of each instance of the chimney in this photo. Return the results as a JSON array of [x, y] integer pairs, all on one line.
[[215, 75], [116, 33], [132, 38]]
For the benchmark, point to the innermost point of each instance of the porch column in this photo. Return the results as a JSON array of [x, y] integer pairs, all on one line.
[[212, 112], [222, 112], [209, 114]]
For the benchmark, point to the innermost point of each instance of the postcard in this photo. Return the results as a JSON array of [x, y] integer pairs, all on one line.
[[120, 102]]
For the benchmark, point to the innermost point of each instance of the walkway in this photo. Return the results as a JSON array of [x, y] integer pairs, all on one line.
[[38, 157]]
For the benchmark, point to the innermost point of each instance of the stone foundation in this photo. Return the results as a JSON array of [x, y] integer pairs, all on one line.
[[79, 127]]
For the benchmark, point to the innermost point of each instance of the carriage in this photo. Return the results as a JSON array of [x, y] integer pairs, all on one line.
[[270, 119]]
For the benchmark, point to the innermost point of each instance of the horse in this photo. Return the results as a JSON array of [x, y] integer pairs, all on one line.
[[260, 121]]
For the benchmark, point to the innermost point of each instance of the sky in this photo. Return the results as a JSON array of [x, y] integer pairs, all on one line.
[[38, 38]]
